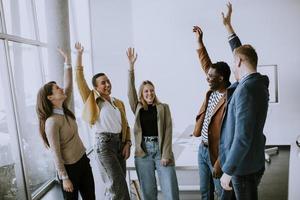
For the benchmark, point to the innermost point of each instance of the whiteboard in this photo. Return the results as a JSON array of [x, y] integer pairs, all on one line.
[[272, 72]]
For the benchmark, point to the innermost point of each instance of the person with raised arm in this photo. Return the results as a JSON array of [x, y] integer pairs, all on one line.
[[209, 121], [242, 141], [107, 115], [59, 131], [153, 138]]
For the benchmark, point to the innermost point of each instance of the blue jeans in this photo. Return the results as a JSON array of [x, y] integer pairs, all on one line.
[[245, 186], [112, 166], [205, 173], [146, 166]]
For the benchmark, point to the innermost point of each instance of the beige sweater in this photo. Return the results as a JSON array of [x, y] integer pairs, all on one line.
[[164, 123], [64, 140], [62, 134]]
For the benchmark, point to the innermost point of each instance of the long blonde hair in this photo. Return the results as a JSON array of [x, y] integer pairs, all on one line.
[[141, 98]]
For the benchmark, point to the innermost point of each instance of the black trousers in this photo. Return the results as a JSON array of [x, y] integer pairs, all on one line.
[[81, 176]]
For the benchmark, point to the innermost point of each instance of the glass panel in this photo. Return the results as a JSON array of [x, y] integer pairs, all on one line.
[[19, 18], [79, 20], [8, 184], [41, 18], [27, 79], [1, 30]]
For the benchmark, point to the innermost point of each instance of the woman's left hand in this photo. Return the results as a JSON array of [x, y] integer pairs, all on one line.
[[165, 162], [126, 151]]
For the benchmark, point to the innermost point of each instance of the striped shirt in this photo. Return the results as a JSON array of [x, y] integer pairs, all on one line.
[[212, 102]]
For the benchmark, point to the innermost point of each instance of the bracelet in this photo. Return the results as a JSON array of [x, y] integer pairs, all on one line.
[[64, 177], [67, 65]]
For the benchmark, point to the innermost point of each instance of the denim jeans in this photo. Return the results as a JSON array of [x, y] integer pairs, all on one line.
[[146, 166], [205, 173], [112, 166], [245, 186]]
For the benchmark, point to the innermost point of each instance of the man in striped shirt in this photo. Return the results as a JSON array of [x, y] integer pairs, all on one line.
[[208, 123]]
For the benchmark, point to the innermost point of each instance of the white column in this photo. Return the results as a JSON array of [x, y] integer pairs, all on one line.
[[58, 35]]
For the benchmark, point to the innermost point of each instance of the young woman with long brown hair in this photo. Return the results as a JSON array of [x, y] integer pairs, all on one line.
[[59, 131]]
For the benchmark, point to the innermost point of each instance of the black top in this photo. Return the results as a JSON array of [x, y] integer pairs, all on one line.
[[148, 120]]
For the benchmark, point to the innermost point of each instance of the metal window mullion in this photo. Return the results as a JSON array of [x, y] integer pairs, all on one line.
[[19, 150], [91, 36], [35, 22], [37, 35], [44, 189], [2, 17], [16, 119], [22, 40]]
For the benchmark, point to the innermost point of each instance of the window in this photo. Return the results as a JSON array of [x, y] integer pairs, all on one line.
[[27, 79], [41, 19], [25, 163], [8, 189], [19, 18], [1, 29], [79, 20]]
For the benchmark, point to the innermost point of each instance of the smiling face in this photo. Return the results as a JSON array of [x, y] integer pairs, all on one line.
[[214, 79], [148, 93], [103, 86]]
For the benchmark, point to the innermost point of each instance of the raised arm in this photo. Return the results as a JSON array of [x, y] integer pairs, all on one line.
[[68, 78], [132, 95], [202, 53], [234, 40], [83, 87]]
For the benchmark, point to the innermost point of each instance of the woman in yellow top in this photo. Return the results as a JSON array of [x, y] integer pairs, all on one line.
[[59, 132], [153, 138], [107, 114]]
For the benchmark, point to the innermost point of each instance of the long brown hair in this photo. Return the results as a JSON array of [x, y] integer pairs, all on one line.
[[141, 98], [44, 109]]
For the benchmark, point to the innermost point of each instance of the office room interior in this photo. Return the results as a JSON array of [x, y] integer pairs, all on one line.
[[161, 31]]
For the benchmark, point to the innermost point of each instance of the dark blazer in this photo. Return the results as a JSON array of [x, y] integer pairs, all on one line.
[[242, 141]]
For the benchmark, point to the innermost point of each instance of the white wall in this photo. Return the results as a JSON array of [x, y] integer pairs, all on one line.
[[161, 32]]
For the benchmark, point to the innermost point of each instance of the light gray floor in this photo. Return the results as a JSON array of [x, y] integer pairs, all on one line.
[[274, 185]]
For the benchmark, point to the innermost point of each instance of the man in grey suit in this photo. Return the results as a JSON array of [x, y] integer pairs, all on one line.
[[242, 141]]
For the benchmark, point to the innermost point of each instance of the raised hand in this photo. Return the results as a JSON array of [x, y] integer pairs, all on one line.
[[132, 56], [79, 47], [199, 35], [65, 55], [227, 18]]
